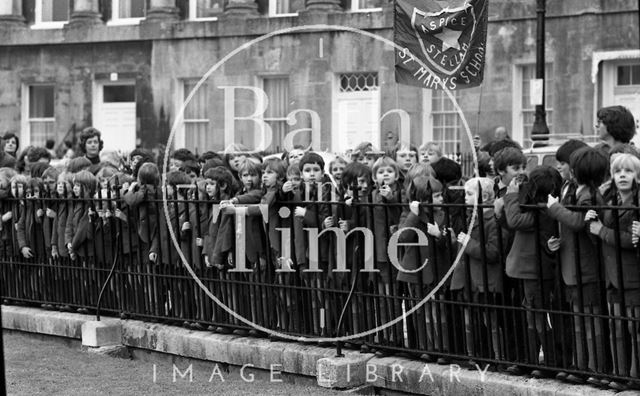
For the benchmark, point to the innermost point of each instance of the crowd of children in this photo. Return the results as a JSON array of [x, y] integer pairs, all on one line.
[[526, 268]]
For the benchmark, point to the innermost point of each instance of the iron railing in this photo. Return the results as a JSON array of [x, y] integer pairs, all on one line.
[[480, 315]]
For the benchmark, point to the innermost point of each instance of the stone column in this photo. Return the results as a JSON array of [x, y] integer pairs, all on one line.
[[11, 13], [85, 12], [241, 8], [323, 5], [162, 10]]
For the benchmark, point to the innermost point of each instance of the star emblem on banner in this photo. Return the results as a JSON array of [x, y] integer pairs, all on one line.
[[450, 38]]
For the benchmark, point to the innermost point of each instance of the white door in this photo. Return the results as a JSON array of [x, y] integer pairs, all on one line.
[[358, 119], [115, 115]]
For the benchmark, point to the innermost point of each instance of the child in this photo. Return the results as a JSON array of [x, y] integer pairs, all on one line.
[[531, 258], [273, 178], [219, 187], [79, 232], [336, 168], [430, 152], [623, 278], [251, 193], [141, 198], [79, 241], [294, 177], [581, 274], [30, 224], [562, 158], [60, 210], [6, 213], [405, 155], [430, 323], [509, 163], [314, 212], [481, 278], [386, 197]]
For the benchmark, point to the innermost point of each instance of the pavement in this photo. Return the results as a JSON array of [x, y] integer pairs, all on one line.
[[356, 371]]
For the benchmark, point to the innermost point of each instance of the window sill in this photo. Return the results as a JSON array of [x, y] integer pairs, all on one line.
[[203, 19], [293, 14], [124, 21], [363, 10], [48, 25]]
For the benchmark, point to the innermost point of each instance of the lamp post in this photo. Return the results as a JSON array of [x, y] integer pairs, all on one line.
[[540, 130]]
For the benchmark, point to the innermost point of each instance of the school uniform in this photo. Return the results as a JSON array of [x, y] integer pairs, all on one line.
[[435, 253], [386, 215], [476, 259], [628, 255], [575, 234]]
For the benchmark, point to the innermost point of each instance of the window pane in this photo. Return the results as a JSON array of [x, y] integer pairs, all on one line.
[[195, 136], [635, 75], [131, 9], [41, 101], [55, 10], [282, 6], [358, 82], [40, 131], [196, 120], [364, 4], [197, 107], [624, 75], [209, 8], [277, 90], [119, 93]]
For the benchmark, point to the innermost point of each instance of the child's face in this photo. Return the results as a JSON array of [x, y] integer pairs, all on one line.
[[311, 173], [295, 155], [336, 170], [50, 182], [236, 160], [437, 198], [564, 170], [295, 180], [174, 164], [250, 181], [170, 191], [406, 158], [269, 178], [510, 172], [424, 156], [370, 159], [77, 190], [470, 196], [624, 177], [211, 188], [432, 156], [134, 161], [363, 183], [35, 192], [385, 175], [61, 188]]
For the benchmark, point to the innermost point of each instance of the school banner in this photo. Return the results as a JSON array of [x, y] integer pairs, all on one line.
[[449, 37]]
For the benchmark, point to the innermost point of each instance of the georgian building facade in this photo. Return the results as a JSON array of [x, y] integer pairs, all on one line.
[[127, 66]]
